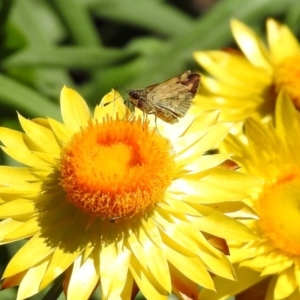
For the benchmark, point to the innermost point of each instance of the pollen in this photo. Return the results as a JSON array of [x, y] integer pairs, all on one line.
[[279, 211], [117, 168], [287, 77]]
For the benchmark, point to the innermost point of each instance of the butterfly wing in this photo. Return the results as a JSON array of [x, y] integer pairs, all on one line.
[[175, 94], [168, 100], [165, 114], [181, 77]]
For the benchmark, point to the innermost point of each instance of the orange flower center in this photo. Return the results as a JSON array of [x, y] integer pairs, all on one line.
[[287, 77], [279, 211], [116, 169]]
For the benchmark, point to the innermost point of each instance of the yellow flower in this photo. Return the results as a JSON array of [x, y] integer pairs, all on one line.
[[108, 198], [247, 83], [269, 266]]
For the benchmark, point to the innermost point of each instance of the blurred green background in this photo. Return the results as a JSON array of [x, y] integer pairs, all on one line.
[[96, 45]]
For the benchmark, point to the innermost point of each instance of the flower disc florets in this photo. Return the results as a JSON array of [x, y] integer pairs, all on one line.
[[116, 169]]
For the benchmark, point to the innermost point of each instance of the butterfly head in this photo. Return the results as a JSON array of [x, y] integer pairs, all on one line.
[[134, 94], [137, 98]]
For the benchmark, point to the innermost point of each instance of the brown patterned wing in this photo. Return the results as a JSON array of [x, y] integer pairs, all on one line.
[[183, 77], [176, 94], [169, 100], [165, 115]]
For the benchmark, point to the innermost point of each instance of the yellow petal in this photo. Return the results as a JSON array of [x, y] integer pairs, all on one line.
[[150, 256], [130, 287], [177, 206], [59, 262], [285, 116], [260, 261], [202, 163], [30, 284], [25, 230], [172, 131], [191, 267], [152, 231], [41, 136], [12, 138], [112, 105], [114, 265], [26, 158], [204, 119], [83, 279], [74, 110], [210, 190], [12, 280], [182, 286], [16, 207], [156, 260], [147, 284], [273, 266], [286, 284], [7, 226], [225, 227], [17, 149], [187, 147], [232, 69], [182, 144], [187, 241], [282, 42], [251, 45], [244, 86], [62, 133], [32, 253], [15, 175], [29, 189], [226, 288]]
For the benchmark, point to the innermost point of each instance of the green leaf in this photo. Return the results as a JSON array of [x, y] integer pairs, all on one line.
[[16, 95], [37, 22], [154, 16], [78, 22], [68, 57]]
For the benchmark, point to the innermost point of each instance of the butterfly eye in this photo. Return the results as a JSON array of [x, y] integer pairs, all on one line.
[[134, 94]]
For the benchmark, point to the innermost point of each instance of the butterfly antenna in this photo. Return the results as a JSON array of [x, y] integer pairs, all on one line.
[[121, 94]]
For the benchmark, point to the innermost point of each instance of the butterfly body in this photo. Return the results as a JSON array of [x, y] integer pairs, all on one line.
[[169, 100]]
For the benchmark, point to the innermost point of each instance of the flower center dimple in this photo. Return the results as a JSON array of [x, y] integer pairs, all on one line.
[[116, 169], [279, 211], [287, 77]]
